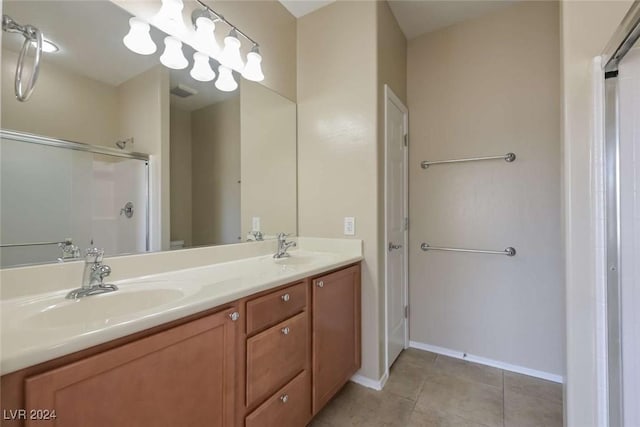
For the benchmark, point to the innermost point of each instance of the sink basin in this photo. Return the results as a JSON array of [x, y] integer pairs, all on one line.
[[295, 260], [101, 309]]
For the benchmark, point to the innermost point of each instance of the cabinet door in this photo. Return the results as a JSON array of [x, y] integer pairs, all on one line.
[[183, 376], [275, 356], [336, 332]]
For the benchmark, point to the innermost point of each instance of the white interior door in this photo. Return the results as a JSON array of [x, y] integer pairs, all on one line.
[[396, 224]]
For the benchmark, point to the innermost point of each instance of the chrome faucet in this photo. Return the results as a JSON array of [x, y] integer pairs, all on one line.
[[92, 278], [283, 245]]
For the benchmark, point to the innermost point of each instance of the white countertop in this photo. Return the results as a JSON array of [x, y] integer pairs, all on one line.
[[37, 328]]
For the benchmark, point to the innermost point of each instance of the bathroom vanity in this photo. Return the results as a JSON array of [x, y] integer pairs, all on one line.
[[273, 357]]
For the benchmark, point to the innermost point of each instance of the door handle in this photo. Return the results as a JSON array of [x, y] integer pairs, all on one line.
[[392, 246]]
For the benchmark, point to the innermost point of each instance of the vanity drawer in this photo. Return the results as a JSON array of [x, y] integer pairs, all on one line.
[[275, 307], [275, 356], [288, 407]]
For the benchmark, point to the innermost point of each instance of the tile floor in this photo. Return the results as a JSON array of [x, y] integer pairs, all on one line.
[[425, 389]]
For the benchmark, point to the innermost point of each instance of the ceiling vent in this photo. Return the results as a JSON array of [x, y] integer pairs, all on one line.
[[183, 91]]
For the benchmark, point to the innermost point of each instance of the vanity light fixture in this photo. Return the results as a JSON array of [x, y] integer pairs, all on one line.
[[170, 15], [253, 71], [226, 82], [205, 33], [230, 56], [138, 38], [47, 46], [173, 56], [201, 70], [201, 37]]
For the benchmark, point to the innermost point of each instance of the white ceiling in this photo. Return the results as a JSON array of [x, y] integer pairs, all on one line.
[[416, 17], [300, 8]]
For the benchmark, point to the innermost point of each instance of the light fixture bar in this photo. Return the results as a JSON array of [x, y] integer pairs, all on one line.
[[223, 19]]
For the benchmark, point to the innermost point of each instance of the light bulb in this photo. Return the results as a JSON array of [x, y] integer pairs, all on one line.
[[48, 46], [231, 54], [201, 70], [172, 56], [226, 82], [138, 39], [253, 71], [170, 15], [205, 28]]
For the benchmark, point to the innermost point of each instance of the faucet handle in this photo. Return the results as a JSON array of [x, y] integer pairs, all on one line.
[[282, 236], [94, 255]]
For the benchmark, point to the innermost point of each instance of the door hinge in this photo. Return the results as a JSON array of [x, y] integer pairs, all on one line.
[[406, 311], [406, 139], [406, 223]]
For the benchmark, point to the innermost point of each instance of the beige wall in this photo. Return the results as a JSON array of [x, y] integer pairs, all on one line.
[[342, 70], [586, 29], [392, 70], [268, 160], [215, 136], [64, 105], [337, 142], [181, 172], [271, 25], [479, 88], [143, 109]]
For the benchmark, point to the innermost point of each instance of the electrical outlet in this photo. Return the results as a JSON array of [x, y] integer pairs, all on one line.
[[349, 226], [255, 223]]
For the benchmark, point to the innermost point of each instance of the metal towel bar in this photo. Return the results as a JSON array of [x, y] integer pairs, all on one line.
[[509, 157], [510, 251], [14, 245]]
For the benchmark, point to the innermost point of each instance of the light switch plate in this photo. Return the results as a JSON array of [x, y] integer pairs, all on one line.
[[255, 223], [349, 226]]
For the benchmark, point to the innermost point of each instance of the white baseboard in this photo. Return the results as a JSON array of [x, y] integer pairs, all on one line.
[[369, 383], [488, 362]]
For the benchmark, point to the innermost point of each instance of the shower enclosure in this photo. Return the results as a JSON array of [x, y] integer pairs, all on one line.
[[622, 219], [57, 198]]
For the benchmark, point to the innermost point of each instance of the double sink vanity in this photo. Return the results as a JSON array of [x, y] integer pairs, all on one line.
[[250, 342]]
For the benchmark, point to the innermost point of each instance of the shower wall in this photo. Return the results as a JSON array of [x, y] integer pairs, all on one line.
[[480, 88], [49, 194]]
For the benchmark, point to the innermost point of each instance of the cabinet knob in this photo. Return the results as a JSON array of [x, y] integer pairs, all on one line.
[[320, 284], [285, 330], [234, 316], [284, 398], [285, 297]]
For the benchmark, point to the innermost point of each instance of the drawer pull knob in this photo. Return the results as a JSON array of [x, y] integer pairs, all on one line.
[[234, 316], [285, 297], [320, 284], [285, 330], [284, 398]]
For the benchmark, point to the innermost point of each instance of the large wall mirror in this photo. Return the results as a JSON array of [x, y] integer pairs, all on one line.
[[115, 150]]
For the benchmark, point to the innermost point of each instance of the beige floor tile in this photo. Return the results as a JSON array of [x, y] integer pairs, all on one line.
[[406, 379], [469, 371], [521, 410], [358, 406], [424, 390], [416, 357], [531, 386], [473, 401], [437, 418]]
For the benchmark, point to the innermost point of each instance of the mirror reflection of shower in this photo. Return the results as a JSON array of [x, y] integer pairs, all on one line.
[[122, 143]]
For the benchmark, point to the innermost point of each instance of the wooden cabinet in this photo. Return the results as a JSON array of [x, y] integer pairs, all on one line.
[[289, 407], [336, 332], [286, 354], [181, 376], [275, 307], [275, 356]]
